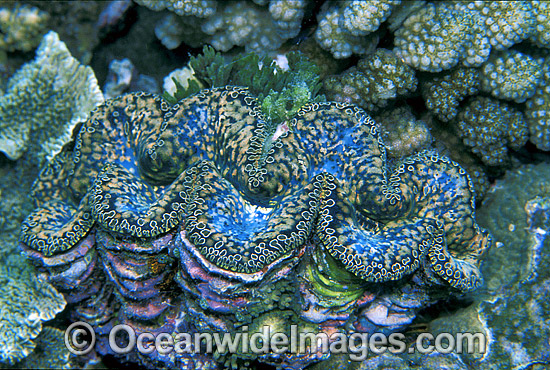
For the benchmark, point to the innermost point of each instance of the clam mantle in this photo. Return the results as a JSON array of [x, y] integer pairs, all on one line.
[[202, 216]]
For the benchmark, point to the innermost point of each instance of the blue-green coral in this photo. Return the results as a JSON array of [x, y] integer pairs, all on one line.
[[45, 100]]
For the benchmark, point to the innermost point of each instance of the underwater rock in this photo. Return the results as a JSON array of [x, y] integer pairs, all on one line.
[[512, 308], [124, 77], [206, 217]]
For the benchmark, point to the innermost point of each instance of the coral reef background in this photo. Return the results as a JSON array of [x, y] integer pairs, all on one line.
[[468, 81]]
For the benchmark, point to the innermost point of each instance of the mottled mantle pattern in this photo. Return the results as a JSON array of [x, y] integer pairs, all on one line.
[[207, 187]]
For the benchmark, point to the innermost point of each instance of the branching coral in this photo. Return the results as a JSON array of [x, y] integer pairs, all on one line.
[[21, 27], [537, 111], [377, 79], [442, 35], [541, 34], [347, 28], [505, 23], [363, 17], [403, 134], [448, 142], [439, 36], [443, 94], [288, 15], [44, 102], [510, 75], [238, 23], [197, 8], [241, 24], [332, 36], [489, 127], [173, 30]]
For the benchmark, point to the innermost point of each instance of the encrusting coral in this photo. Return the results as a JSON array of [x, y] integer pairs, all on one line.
[[50, 352], [170, 193], [45, 100], [513, 308]]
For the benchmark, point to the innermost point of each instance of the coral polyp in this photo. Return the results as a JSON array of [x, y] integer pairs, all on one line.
[[206, 216]]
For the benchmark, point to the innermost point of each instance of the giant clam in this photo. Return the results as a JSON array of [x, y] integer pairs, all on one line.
[[204, 217]]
